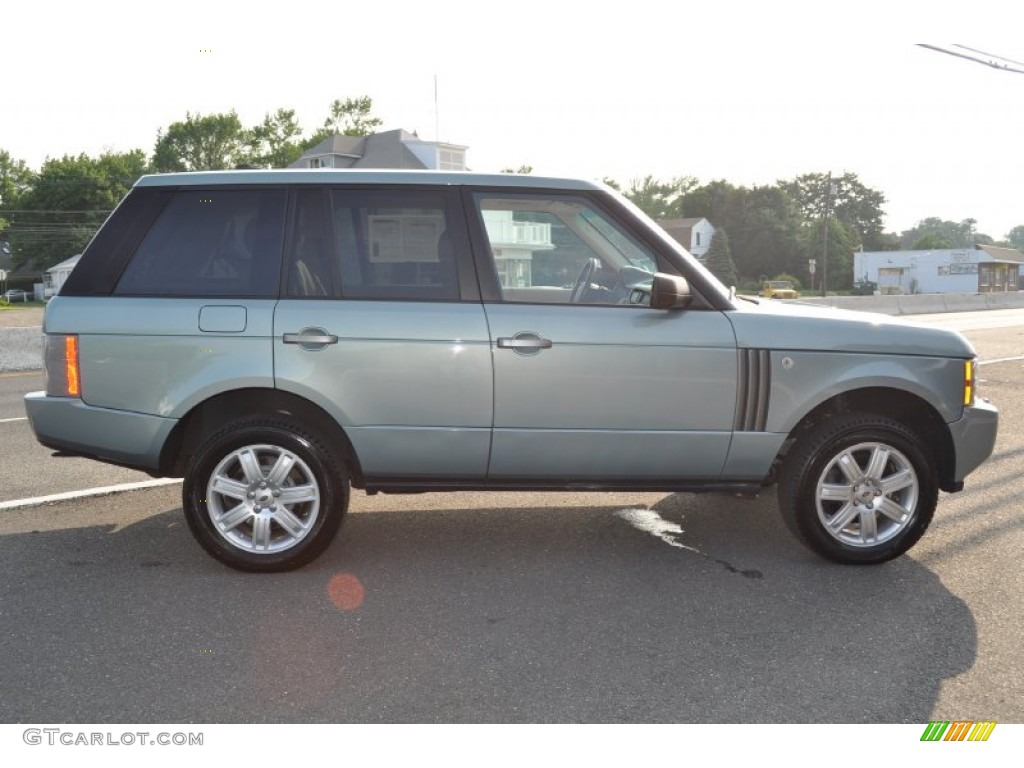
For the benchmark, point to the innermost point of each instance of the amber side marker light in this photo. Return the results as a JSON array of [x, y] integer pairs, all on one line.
[[968, 382], [74, 383]]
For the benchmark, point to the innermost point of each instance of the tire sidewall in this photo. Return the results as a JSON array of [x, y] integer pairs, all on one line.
[[798, 487], [326, 471]]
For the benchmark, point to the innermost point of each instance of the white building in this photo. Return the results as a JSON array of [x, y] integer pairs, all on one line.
[[57, 274], [694, 234], [982, 269], [514, 243]]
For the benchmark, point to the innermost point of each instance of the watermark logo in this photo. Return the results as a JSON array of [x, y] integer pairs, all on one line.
[[958, 730]]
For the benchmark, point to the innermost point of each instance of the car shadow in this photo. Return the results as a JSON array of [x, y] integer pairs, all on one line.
[[696, 609]]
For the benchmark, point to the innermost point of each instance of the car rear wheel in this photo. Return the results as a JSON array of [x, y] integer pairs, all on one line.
[[265, 495], [859, 488]]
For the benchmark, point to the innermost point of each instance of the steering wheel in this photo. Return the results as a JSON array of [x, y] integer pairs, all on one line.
[[579, 288]]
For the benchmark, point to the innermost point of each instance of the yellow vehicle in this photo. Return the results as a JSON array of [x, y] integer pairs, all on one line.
[[779, 289]]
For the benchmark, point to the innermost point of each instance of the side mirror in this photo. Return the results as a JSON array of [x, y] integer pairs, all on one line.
[[669, 292]]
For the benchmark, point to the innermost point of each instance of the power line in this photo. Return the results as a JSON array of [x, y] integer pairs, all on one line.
[[983, 53], [54, 210], [994, 61]]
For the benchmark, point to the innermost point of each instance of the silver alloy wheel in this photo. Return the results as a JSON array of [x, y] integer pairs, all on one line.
[[867, 494], [263, 499]]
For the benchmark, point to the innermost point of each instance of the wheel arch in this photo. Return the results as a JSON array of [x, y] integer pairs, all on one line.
[[207, 417], [900, 405]]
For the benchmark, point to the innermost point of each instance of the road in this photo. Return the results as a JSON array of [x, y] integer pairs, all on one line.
[[28, 469], [494, 607]]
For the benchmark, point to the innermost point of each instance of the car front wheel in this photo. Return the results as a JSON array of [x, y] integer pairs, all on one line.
[[859, 489], [264, 495]]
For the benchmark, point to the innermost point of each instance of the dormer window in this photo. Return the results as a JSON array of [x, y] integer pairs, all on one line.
[[451, 159]]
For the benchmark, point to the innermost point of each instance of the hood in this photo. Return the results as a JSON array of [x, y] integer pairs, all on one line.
[[774, 325]]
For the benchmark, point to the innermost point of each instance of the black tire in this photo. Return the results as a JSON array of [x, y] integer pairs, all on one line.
[[279, 526], [858, 521]]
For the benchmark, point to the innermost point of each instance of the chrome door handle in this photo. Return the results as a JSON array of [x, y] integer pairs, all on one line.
[[310, 336], [506, 342]]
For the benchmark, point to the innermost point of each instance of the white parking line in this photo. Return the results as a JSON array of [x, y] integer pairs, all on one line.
[[1001, 360], [19, 418], [101, 491]]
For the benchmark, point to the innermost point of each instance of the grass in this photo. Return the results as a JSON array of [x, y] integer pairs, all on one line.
[[4, 305]]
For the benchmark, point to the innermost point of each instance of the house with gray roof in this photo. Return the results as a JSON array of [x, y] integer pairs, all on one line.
[[390, 149]]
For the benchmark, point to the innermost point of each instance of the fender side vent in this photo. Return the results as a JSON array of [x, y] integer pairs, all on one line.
[[753, 390]]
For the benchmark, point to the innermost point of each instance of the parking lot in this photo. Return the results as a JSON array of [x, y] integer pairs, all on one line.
[[500, 607]]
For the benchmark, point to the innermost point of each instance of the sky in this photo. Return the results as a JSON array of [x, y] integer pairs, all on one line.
[[747, 92]]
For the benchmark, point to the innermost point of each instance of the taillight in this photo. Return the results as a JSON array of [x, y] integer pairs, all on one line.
[[63, 375], [969, 373], [74, 384]]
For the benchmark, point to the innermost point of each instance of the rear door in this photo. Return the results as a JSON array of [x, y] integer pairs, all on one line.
[[380, 323], [587, 385]]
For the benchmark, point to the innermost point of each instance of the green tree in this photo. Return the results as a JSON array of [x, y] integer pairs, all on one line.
[[1015, 237], [847, 199], [659, 199], [69, 198], [274, 143], [959, 234], [351, 117], [717, 201], [842, 242], [200, 143], [763, 223], [932, 241], [887, 241], [15, 179], [718, 259]]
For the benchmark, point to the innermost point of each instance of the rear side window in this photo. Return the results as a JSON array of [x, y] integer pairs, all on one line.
[[375, 245], [211, 243]]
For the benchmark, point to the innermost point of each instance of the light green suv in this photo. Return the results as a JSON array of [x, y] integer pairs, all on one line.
[[276, 337]]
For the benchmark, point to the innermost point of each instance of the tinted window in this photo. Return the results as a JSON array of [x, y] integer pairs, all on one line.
[[374, 245], [104, 258], [211, 243]]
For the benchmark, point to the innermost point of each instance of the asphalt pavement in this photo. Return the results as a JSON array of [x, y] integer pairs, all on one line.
[[501, 607]]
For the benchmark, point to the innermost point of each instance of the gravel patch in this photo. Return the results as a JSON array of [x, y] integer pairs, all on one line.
[[20, 317], [21, 349]]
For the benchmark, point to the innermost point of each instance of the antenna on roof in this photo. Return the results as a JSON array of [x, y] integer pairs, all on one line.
[[437, 114]]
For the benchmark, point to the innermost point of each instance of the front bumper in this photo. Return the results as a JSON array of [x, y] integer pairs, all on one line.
[[974, 437], [119, 437]]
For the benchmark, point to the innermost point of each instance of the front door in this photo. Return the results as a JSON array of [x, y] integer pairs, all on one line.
[[587, 385]]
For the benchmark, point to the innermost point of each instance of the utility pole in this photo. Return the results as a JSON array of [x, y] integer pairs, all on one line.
[[830, 189]]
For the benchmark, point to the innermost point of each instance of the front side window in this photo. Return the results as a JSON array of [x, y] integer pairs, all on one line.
[[211, 243], [562, 250]]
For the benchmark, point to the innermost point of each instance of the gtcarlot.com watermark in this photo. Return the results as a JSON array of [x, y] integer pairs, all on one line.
[[59, 737]]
